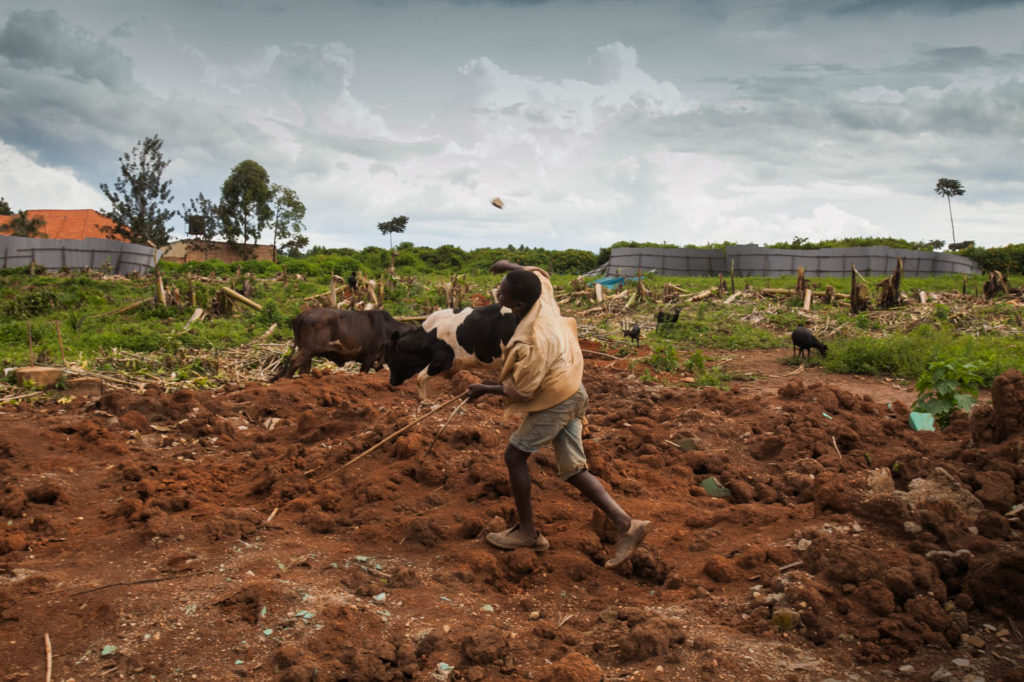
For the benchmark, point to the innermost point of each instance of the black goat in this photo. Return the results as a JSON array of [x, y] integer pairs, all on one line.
[[632, 333], [352, 281], [803, 340], [665, 317]]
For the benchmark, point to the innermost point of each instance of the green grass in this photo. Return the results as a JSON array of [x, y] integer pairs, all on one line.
[[908, 355], [988, 337]]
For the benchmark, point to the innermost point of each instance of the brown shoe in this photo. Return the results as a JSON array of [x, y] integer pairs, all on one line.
[[513, 538], [628, 542]]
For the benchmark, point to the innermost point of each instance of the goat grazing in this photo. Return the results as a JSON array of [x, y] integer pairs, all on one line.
[[665, 317], [803, 340], [632, 333]]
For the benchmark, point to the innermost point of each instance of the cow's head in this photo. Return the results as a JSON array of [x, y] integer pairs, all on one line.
[[408, 353]]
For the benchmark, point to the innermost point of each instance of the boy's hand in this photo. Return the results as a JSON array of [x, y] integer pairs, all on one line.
[[477, 390]]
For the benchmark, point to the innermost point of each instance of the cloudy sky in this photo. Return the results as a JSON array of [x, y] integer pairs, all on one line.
[[677, 121]]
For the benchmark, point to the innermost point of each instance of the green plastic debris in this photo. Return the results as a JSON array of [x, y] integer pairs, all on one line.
[[239, 662], [360, 558], [922, 421], [826, 415], [108, 650], [263, 612], [714, 488], [380, 597], [268, 632], [488, 608]]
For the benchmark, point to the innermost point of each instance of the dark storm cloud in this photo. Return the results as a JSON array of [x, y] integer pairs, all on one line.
[[44, 40]]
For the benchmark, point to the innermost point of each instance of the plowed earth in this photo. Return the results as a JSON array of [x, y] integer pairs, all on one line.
[[217, 535]]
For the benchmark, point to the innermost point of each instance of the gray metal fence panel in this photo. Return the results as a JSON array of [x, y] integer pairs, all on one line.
[[669, 261], [77, 254]]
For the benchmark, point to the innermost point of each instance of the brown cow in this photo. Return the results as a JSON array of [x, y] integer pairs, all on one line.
[[341, 336]]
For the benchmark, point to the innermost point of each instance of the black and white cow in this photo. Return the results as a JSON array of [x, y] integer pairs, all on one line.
[[449, 340]]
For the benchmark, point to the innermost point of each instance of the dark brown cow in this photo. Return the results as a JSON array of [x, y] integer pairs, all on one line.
[[341, 336]]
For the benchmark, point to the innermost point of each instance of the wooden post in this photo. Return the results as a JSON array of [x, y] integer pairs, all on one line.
[[963, 287], [31, 351], [333, 295], [60, 343], [598, 292], [161, 294], [807, 299], [732, 277], [241, 299], [853, 288]]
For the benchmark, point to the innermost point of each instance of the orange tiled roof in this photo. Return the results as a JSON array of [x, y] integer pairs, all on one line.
[[80, 223]]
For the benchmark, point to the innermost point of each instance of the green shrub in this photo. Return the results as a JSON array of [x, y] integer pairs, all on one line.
[[947, 387]]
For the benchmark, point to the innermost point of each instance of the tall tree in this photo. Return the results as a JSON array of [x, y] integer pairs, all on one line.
[[23, 226], [286, 222], [396, 224], [140, 194], [948, 187], [245, 203], [202, 219], [5, 208]]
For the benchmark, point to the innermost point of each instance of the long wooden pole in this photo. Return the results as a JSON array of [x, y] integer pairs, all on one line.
[[60, 343], [464, 394]]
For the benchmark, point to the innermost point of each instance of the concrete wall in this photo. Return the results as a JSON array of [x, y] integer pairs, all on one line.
[[193, 250], [77, 254]]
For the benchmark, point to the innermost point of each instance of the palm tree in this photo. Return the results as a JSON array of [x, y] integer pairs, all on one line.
[[948, 187]]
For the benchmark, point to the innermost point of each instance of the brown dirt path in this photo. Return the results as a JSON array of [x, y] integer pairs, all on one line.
[[136, 531]]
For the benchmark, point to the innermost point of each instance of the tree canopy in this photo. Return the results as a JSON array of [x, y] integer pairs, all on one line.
[[140, 194], [286, 222], [23, 226], [395, 225], [245, 202], [5, 208], [948, 187]]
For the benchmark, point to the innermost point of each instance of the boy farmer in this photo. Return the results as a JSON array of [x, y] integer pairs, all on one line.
[[542, 377]]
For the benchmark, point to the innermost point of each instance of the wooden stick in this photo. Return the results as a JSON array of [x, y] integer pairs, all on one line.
[[241, 299], [445, 425], [49, 656], [400, 431], [60, 343], [603, 355], [19, 397], [140, 582], [130, 306], [31, 352], [271, 517]]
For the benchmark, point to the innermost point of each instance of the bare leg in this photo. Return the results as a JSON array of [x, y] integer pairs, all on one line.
[[590, 485], [519, 479], [631, 531]]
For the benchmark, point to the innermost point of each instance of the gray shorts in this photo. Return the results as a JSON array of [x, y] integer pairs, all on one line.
[[560, 425]]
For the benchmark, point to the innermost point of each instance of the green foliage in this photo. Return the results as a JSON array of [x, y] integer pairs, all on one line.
[[1006, 259], [245, 199], [908, 355], [803, 243], [21, 225], [947, 387], [663, 357], [5, 208], [140, 193], [393, 226]]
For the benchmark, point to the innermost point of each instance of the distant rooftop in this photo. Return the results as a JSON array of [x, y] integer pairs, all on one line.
[[82, 223]]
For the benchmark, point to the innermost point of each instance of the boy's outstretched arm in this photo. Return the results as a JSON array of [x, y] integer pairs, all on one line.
[[505, 266]]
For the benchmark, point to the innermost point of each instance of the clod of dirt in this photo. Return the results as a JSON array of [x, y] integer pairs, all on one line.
[[652, 637], [574, 667], [996, 582], [486, 646]]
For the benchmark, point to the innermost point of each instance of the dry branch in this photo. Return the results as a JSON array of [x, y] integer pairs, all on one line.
[[241, 299]]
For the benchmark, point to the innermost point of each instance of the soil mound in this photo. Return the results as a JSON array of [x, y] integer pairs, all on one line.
[[796, 532]]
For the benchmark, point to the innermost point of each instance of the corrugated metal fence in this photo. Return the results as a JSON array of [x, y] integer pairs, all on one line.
[[77, 254], [756, 261]]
